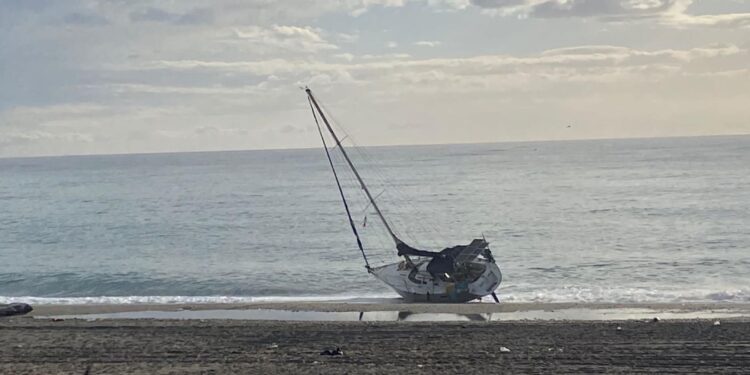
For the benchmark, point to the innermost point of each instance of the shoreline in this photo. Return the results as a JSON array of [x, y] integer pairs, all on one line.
[[380, 310]]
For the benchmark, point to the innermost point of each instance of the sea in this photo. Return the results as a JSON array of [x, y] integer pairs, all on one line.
[[624, 221]]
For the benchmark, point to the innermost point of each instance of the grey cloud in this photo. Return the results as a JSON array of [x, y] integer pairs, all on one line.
[[666, 12], [193, 17], [152, 15], [197, 16], [497, 3], [597, 8], [584, 8], [85, 19]]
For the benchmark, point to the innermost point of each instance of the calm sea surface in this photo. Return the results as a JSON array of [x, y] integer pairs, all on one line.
[[590, 221]]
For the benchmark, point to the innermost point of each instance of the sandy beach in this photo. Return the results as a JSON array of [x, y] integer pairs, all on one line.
[[36, 345]]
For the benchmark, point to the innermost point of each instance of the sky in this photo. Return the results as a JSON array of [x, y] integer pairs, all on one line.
[[117, 76]]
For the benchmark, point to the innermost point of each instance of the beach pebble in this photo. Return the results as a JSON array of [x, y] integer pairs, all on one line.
[[717, 323], [619, 328], [420, 366], [504, 350]]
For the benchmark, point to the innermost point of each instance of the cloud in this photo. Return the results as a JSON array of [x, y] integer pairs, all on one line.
[[427, 43], [195, 16], [667, 12], [344, 56], [584, 57], [31, 137], [182, 90], [360, 7], [85, 19], [450, 4], [199, 74], [291, 38], [152, 14], [55, 124], [736, 20], [614, 9], [385, 56], [219, 131], [584, 8]]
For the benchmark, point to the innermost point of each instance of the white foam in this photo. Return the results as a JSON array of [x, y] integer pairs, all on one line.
[[538, 295], [126, 300], [623, 295]]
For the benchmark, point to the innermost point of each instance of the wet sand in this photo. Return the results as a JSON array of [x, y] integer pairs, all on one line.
[[370, 305], [144, 346]]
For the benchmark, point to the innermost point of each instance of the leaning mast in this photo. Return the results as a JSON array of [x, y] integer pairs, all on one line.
[[396, 240]]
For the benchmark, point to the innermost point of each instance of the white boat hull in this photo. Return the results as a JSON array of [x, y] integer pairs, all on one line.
[[420, 286]]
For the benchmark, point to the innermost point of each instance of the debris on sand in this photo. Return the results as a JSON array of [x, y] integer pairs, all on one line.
[[273, 346], [504, 350], [619, 328], [15, 309], [655, 319], [337, 351], [717, 323]]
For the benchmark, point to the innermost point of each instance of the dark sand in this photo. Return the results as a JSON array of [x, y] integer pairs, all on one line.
[[142, 346]]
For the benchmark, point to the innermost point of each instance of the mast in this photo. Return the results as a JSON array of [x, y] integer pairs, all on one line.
[[341, 191], [396, 240]]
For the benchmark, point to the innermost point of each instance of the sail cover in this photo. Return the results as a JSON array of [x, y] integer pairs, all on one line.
[[461, 253], [446, 260], [467, 253]]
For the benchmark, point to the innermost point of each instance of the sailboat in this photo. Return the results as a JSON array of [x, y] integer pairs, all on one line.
[[454, 275]]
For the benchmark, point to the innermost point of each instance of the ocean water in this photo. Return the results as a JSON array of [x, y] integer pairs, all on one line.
[[640, 220]]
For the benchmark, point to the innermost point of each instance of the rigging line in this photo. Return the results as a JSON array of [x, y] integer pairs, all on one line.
[[351, 165], [375, 228], [373, 236], [397, 193], [396, 219], [346, 206], [376, 197], [427, 227], [367, 156], [375, 231]]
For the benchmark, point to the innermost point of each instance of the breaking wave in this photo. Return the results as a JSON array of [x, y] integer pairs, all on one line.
[[624, 295], [564, 295]]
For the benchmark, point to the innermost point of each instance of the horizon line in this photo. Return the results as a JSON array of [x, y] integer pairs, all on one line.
[[40, 156]]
